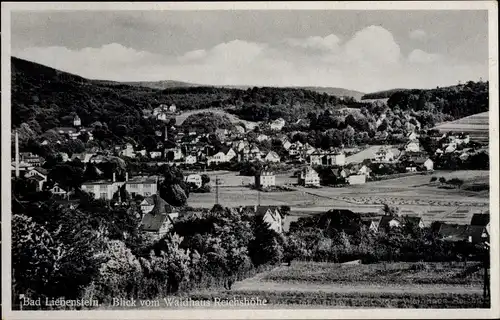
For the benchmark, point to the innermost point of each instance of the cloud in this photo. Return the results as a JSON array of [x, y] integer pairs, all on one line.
[[418, 34], [421, 57], [370, 60], [327, 43]]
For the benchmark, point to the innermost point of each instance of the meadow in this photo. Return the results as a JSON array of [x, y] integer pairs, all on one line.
[[390, 285], [414, 195], [477, 126]]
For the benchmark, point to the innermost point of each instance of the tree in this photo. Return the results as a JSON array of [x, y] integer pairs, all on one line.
[[267, 245], [442, 180], [205, 179], [390, 211]]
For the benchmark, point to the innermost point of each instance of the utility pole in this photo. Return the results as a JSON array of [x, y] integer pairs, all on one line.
[[216, 190]]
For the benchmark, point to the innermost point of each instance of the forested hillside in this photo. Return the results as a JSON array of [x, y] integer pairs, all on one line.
[[44, 98], [458, 101]]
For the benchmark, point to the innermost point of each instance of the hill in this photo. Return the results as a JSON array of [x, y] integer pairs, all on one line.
[[168, 84], [386, 94]]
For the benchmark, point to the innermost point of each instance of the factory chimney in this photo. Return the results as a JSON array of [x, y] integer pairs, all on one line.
[[17, 154]]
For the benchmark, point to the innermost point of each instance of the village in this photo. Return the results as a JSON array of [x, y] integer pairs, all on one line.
[[197, 154]]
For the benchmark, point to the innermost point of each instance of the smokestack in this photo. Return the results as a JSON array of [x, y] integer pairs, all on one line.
[[17, 155], [126, 176], [166, 134], [114, 177]]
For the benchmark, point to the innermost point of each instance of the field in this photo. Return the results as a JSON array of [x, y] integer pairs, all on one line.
[[180, 118], [414, 195], [477, 126], [331, 285], [369, 153]]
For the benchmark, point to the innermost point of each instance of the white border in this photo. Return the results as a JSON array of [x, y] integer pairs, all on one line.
[[492, 8]]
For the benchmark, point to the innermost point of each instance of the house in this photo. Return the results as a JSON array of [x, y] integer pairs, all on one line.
[[262, 137], [333, 159], [428, 164], [364, 170], [173, 153], [411, 168], [195, 179], [357, 179], [270, 215], [286, 144], [381, 135], [141, 152], [128, 151], [155, 154], [160, 216], [277, 124], [190, 159], [450, 148], [64, 156], [71, 132], [272, 156], [77, 122], [417, 221], [388, 222], [463, 233], [412, 146], [58, 190], [372, 223], [38, 181], [265, 179], [308, 177], [102, 189], [315, 158], [37, 171], [144, 186], [31, 159], [344, 173], [439, 152]]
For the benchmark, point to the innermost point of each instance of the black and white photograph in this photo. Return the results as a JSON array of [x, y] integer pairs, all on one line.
[[217, 157]]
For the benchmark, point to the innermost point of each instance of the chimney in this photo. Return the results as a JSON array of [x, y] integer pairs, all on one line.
[[166, 134], [126, 176], [17, 155], [114, 177]]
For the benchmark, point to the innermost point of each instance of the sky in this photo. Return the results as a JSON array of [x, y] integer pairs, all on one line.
[[359, 50]]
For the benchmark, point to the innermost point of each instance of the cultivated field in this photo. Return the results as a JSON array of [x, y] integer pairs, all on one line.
[[414, 195], [396, 285], [477, 126], [369, 153], [180, 118]]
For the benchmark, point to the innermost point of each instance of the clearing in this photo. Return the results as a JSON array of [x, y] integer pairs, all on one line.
[[234, 119]]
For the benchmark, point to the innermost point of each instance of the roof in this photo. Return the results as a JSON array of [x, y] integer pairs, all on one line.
[[160, 206], [480, 219], [139, 180], [41, 170], [384, 221], [452, 232], [37, 178], [261, 210]]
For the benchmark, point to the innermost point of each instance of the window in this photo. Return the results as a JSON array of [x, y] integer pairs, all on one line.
[[147, 185], [133, 186], [103, 195]]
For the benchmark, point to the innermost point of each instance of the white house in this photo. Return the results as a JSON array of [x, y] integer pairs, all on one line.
[[365, 171], [334, 159], [155, 154], [58, 190], [190, 159], [102, 189], [262, 137], [356, 179], [412, 146], [272, 156], [277, 124], [286, 144], [144, 186], [194, 178], [128, 151], [315, 158], [177, 153], [270, 215], [265, 179], [451, 148], [308, 177]]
